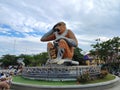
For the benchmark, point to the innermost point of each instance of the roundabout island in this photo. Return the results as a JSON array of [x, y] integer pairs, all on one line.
[[60, 68], [53, 85]]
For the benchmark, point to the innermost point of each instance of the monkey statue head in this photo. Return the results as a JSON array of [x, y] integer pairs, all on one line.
[[60, 27]]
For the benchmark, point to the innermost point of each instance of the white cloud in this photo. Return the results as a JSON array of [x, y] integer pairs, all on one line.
[[88, 19], [28, 45]]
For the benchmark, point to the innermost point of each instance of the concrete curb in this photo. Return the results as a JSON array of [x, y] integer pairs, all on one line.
[[96, 86]]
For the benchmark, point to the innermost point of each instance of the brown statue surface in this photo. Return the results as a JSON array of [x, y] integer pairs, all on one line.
[[63, 43]]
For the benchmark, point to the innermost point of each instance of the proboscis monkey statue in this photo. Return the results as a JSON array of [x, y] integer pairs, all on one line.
[[63, 44]]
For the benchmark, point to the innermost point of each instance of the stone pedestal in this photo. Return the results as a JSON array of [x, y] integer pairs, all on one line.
[[58, 73]]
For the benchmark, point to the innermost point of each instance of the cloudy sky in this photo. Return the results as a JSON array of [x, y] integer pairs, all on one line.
[[23, 22]]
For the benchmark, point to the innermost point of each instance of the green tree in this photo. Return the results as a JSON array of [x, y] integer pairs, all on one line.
[[106, 50], [78, 56], [8, 60], [40, 58], [34, 60], [27, 59], [43, 57]]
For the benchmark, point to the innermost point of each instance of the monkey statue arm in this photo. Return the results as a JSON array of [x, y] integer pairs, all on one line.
[[70, 39], [48, 36], [71, 42]]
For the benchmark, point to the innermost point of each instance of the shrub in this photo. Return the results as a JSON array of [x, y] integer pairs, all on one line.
[[84, 77], [103, 74]]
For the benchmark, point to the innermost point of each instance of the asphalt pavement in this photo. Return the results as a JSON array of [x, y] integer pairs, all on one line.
[[117, 87]]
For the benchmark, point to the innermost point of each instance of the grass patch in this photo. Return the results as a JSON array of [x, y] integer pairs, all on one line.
[[20, 79]]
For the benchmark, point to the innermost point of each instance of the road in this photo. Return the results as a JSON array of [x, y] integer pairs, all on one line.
[[117, 87]]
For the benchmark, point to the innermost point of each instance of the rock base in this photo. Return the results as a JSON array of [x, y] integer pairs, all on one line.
[[62, 62]]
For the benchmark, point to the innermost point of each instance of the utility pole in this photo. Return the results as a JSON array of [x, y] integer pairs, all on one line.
[[14, 46]]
